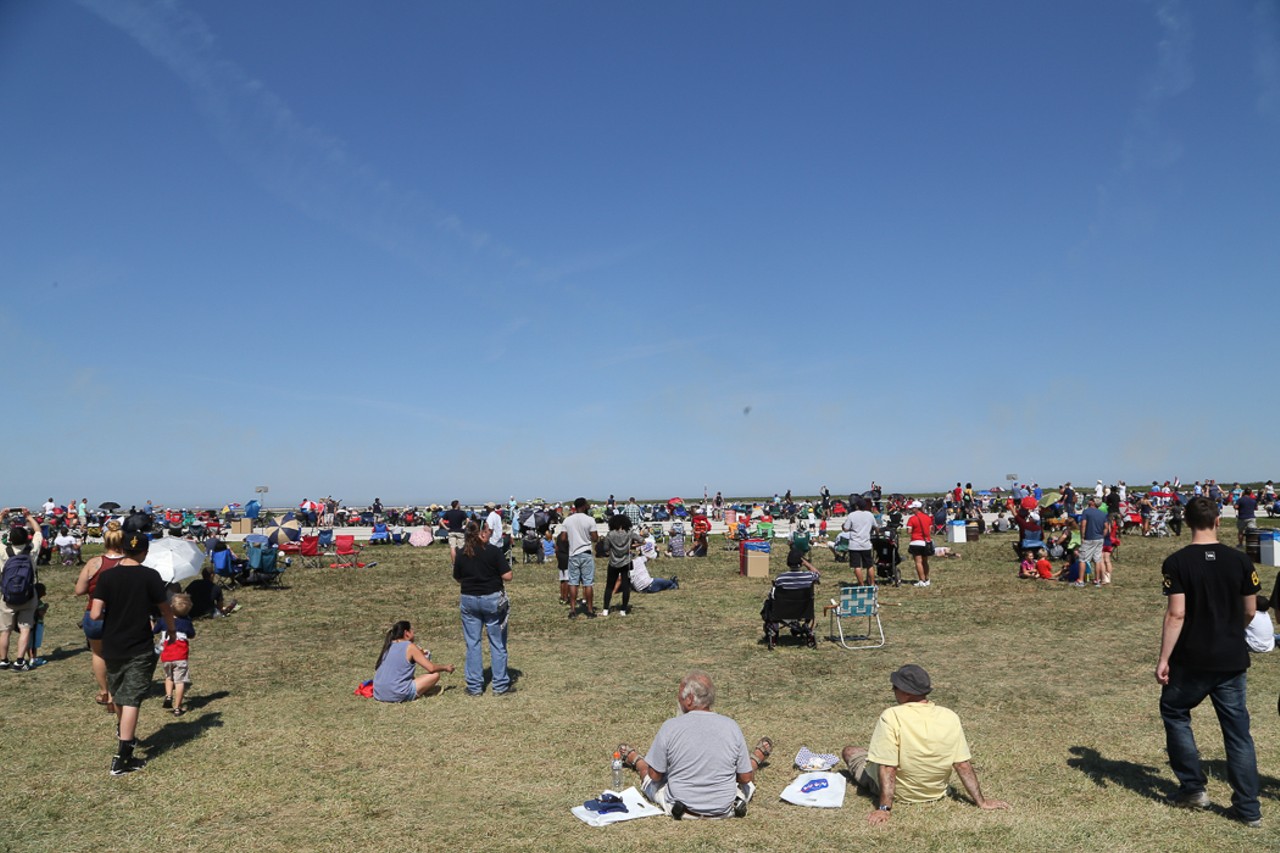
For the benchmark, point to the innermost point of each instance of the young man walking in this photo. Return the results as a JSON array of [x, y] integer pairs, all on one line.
[[1211, 590]]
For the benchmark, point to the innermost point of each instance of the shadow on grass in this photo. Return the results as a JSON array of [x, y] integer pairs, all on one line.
[[512, 673], [1142, 779], [193, 703], [64, 653], [1268, 786], [179, 733]]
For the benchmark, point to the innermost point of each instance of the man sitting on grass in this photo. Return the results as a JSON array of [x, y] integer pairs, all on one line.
[[914, 748], [698, 765]]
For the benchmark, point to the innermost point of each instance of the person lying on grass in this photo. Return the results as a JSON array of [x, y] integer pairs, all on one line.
[[394, 679]]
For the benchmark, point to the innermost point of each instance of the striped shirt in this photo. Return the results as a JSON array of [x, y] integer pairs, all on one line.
[[796, 579]]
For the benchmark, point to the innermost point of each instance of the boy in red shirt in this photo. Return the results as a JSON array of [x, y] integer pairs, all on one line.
[[176, 652]]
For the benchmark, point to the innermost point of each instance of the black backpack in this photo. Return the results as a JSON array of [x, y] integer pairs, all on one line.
[[18, 581]]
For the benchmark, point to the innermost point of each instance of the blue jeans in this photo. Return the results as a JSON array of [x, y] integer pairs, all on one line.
[[659, 584], [1186, 689], [489, 611]]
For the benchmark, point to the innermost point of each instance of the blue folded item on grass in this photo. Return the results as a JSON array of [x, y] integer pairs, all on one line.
[[605, 804]]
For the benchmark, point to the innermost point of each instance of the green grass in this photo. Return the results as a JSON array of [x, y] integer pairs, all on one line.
[[1054, 686]]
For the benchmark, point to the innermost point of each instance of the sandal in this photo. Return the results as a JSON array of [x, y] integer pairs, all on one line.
[[764, 746], [625, 750], [103, 698], [178, 712]]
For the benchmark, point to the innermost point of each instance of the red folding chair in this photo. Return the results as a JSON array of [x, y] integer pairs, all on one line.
[[346, 547], [309, 551]]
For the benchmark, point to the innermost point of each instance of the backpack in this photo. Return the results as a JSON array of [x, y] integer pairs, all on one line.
[[17, 583]]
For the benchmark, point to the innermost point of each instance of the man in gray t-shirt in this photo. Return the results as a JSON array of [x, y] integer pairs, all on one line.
[[858, 527], [699, 764]]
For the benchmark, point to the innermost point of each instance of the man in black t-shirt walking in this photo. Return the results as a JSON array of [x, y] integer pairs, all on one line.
[[125, 599], [1211, 590]]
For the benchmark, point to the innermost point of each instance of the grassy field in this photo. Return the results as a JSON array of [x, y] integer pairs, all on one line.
[[1054, 686]]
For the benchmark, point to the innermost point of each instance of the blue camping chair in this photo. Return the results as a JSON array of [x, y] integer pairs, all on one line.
[[264, 566], [379, 534], [225, 566], [856, 602]]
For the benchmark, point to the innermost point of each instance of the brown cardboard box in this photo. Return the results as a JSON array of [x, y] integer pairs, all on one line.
[[242, 525], [757, 564]]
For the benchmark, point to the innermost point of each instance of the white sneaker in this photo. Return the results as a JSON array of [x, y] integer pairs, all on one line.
[[922, 583], [604, 612], [622, 613]]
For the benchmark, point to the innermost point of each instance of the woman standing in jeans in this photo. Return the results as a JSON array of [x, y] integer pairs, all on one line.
[[480, 570]]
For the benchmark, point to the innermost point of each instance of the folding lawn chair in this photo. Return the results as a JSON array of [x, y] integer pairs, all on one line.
[[265, 567], [345, 548], [856, 602], [224, 566], [309, 551]]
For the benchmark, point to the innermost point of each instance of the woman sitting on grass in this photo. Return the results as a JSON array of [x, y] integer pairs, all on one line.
[[394, 681]]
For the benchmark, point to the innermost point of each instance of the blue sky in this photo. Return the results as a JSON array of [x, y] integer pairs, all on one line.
[[424, 250]]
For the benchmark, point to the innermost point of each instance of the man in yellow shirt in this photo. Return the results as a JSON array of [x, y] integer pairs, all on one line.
[[914, 747]]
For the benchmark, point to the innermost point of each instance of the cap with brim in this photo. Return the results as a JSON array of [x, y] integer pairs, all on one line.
[[914, 505], [911, 679]]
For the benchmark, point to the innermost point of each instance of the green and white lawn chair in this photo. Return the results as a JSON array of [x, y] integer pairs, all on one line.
[[857, 602]]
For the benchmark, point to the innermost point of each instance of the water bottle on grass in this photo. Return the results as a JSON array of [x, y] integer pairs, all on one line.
[[616, 767]]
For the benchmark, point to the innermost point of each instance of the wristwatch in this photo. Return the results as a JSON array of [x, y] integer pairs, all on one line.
[[884, 808]]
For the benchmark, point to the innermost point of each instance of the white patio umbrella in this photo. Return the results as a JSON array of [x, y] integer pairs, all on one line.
[[175, 559]]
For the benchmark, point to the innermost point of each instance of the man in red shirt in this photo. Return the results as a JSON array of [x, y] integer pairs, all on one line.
[[919, 526]]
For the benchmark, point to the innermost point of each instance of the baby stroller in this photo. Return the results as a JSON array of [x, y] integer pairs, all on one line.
[[792, 609], [888, 556]]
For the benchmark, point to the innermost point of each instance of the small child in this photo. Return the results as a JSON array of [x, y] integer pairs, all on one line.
[[1044, 568], [1027, 568], [548, 545], [1072, 572], [175, 652], [562, 564], [1260, 633], [37, 629]]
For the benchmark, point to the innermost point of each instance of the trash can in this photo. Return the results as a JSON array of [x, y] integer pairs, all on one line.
[[955, 531], [1252, 544], [753, 558]]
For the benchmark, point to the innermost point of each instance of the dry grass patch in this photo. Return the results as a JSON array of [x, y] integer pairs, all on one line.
[[1054, 685]]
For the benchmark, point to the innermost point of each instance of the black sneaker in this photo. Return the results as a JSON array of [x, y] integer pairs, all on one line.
[[19, 666], [4, 664], [678, 809], [739, 808], [167, 703], [506, 692], [121, 766]]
